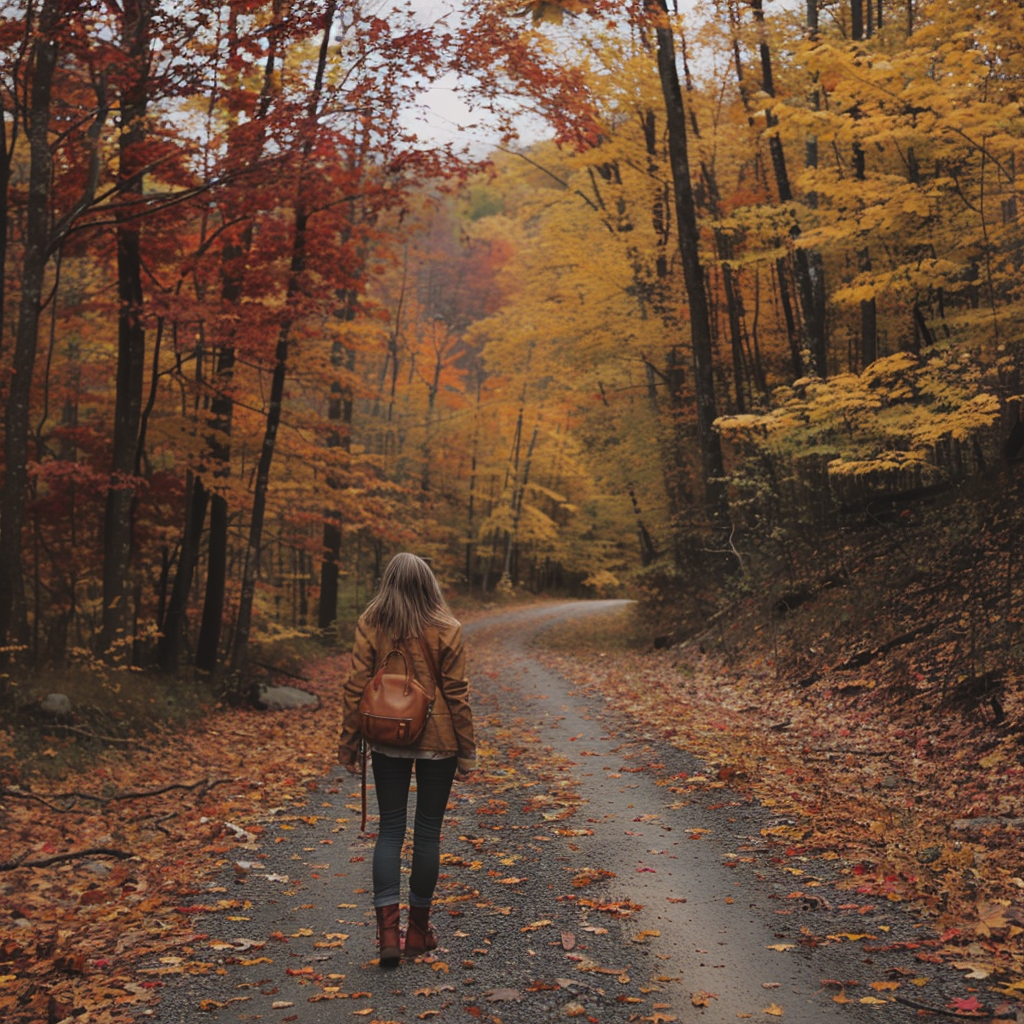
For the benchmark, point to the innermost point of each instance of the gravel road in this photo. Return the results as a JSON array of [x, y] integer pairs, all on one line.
[[576, 883]]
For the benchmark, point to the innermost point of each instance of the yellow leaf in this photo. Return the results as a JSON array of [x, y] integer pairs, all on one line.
[[783, 946], [774, 1010], [537, 924], [977, 971], [885, 986], [872, 1001]]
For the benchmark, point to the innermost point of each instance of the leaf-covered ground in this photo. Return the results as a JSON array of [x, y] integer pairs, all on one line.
[[911, 802], [162, 815], [905, 809]]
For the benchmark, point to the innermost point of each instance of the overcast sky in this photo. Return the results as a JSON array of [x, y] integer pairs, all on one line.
[[445, 115]]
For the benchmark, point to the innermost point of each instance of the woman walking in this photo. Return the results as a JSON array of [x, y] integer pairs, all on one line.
[[409, 614]]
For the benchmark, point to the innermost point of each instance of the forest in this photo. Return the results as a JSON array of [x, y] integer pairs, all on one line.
[[738, 332], [710, 308]]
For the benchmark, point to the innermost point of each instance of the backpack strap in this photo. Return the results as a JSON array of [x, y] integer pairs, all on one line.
[[428, 654]]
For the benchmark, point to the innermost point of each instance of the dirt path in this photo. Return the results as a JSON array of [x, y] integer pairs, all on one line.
[[575, 883]]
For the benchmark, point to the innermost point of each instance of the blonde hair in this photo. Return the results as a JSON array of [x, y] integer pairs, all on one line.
[[409, 599]]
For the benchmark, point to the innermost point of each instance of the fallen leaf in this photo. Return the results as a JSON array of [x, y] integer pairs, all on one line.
[[782, 946], [774, 1010], [969, 1005], [588, 876], [569, 940], [702, 998], [536, 925], [977, 972], [503, 995]]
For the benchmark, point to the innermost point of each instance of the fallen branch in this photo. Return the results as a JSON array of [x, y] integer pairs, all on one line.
[[24, 794], [830, 752], [124, 741], [203, 785], [158, 822], [862, 658], [281, 671], [45, 862], [980, 1015]]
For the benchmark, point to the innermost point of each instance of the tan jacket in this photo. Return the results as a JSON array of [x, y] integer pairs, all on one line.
[[449, 729]]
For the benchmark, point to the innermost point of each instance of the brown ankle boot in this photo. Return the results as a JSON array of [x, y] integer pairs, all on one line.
[[387, 935], [420, 936]]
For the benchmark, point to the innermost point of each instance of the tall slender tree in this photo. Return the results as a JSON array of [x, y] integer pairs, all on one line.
[[118, 522], [45, 231], [693, 272]]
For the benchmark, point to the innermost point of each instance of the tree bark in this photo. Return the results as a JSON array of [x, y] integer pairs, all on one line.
[[808, 267], [13, 612], [131, 334], [174, 617], [648, 552], [693, 272], [868, 307], [222, 405], [339, 411], [250, 569]]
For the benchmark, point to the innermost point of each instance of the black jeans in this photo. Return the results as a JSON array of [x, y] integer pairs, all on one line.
[[391, 777]]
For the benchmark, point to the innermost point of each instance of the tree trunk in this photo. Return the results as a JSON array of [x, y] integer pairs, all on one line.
[[131, 334], [471, 506], [174, 617], [222, 406], [6, 155], [795, 349], [693, 273], [253, 549], [724, 251], [208, 642], [648, 552], [339, 411], [13, 612], [518, 493], [868, 307], [808, 267], [250, 569]]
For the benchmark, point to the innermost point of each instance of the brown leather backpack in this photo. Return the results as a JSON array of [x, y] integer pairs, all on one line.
[[394, 707]]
